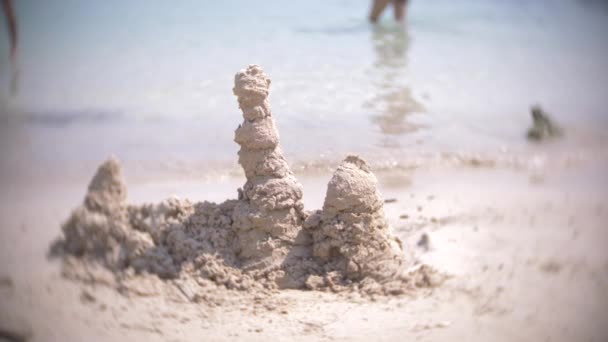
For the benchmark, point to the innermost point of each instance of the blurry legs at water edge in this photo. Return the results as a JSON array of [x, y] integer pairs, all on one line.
[[400, 7], [378, 7], [11, 21]]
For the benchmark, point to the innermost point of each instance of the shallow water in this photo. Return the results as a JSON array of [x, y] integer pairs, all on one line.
[[148, 80]]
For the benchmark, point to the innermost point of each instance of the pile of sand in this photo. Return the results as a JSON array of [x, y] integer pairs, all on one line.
[[261, 242]]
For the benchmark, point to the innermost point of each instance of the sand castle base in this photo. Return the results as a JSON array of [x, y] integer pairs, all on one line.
[[262, 241]]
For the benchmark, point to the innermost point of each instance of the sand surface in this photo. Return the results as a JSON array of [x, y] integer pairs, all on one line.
[[525, 254], [518, 238]]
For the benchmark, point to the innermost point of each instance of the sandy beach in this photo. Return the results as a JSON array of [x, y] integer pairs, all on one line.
[[524, 252], [438, 179]]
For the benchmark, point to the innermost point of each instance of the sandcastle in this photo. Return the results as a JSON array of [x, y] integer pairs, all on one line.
[[262, 239], [269, 215]]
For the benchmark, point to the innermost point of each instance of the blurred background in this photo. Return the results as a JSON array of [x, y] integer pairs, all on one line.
[[151, 81]]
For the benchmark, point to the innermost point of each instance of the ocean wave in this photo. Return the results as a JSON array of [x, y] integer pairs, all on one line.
[[64, 118]]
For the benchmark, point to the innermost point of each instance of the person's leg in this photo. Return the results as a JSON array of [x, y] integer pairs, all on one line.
[[11, 21], [400, 8], [378, 7]]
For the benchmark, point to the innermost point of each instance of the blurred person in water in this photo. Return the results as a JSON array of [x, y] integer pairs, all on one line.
[[378, 6], [11, 21]]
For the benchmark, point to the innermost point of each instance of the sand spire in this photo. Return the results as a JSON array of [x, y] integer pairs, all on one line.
[[269, 215]]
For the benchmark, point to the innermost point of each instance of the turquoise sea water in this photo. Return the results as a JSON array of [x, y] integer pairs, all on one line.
[[152, 79]]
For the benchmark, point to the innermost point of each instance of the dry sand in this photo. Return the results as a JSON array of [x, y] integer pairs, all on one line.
[[527, 263], [523, 249]]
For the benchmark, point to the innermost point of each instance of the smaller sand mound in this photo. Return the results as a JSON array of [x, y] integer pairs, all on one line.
[[351, 234], [99, 229], [353, 242]]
